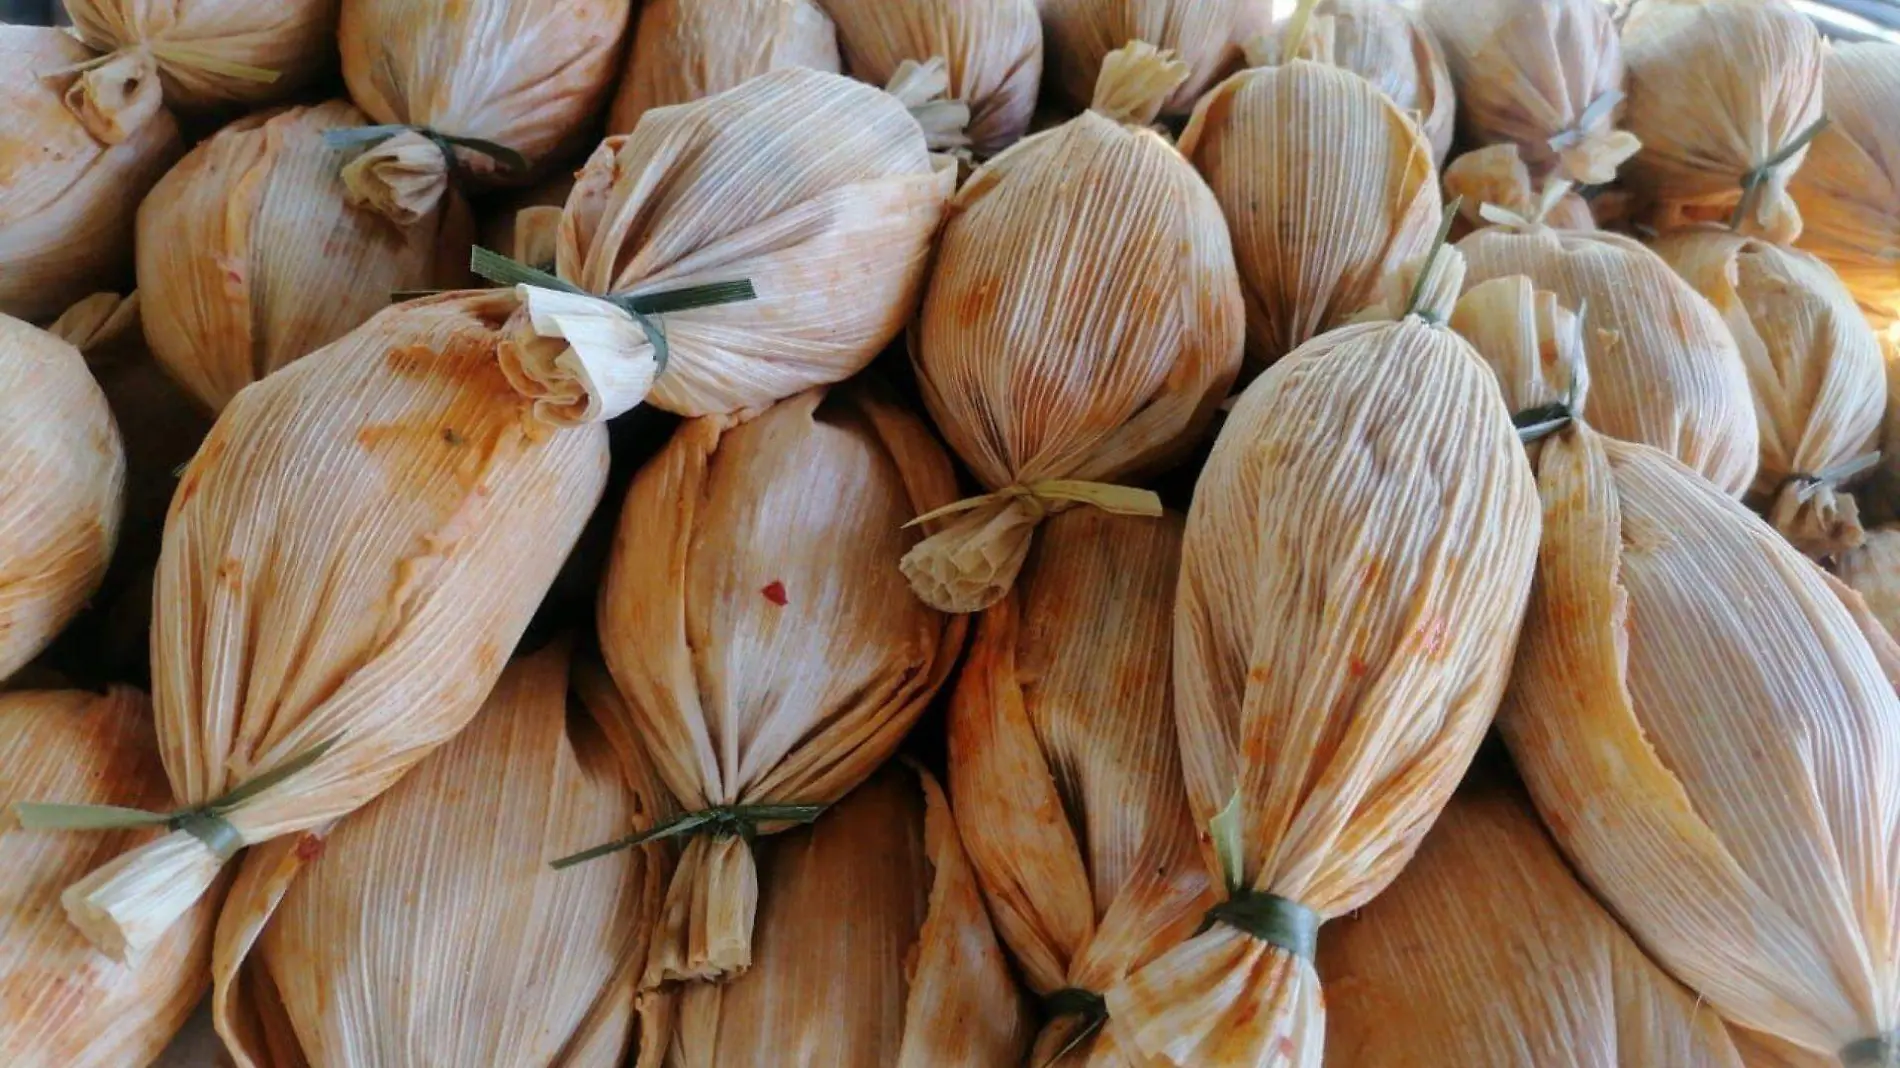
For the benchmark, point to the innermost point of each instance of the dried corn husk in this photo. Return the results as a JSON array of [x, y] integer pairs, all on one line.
[[1873, 571], [687, 49], [62, 487], [817, 189], [67, 197], [198, 53], [1083, 321], [1206, 35], [1819, 381], [251, 254], [65, 1006], [1328, 187], [470, 949], [1496, 177], [1066, 778], [1353, 574], [1383, 42], [1848, 189], [527, 225], [993, 48], [1545, 75], [348, 561], [873, 949], [1724, 95], [754, 617], [1487, 953]]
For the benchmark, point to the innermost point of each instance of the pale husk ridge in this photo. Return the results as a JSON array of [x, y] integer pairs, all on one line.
[[1205, 35], [687, 49], [1387, 44], [1848, 188], [206, 53]]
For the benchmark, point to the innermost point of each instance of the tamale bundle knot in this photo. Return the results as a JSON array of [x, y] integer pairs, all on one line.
[[719, 821], [1277, 921], [924, 90], [1807, 485], [1598, 111], [1090, 1007], [1536, 424], [506, 159], [1759, 175], [1050, 495]]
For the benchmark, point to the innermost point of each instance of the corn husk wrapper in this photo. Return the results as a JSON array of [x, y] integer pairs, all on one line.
[[65, 1005], [1386, 43], [684, 50], [1353, 574], [1819, 381], [1206, 35], [753, 615], [251, 254], [526, 226], [1487, 953], [1721, 94], [348, 561], [873, 949], [471, 949], [1083, 321], [1493, 179], [993, 48], [1328, 188], [199, 53], [1848, 189], [817, 189], [1873, 570], [67, 197], [1065, 775], [1545, 75]]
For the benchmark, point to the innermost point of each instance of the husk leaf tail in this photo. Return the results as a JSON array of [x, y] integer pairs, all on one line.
[[537, 235], [705, 928], [264, 876], [403, 178], [1594, 158], [115, 95], [1820, 519], [127, 904], [579, 358], [1223, 999], [1135, 83], [924, 89], [973, 562]]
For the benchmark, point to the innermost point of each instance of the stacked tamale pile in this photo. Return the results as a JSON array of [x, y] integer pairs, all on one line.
[[949, 534]]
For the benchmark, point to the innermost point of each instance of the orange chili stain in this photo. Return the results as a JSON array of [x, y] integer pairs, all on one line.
[[309, 848], [1358, 668], [230, 572]]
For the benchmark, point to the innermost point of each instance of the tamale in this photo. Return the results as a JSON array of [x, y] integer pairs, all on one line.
[[62, 487], [1328, 187], [1205, 35], [1873, 571], [1545, 75], [251, 254], [818, 190], [687, 49], [199, 53], [1725, 96], [1386, 43], [1065, 776], [1487, 953], [61, 1004], [1848, 189], [428, 928], [68, 193], [1352, 577], [348, 561], [1819, 381], [1083, 321], [873, 949], [754, 617]]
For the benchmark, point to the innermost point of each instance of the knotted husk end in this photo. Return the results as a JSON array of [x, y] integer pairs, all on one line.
[[970, 564], [1531, 341], [1136, 81], [705, 929], [1496, 189], [1820, 520], [924, 90], [127, 904], [1302, 36], [578, 358], [116, 95], [537, 235], [1593, 159], [1223, 999], [402, 179], [100, 319]]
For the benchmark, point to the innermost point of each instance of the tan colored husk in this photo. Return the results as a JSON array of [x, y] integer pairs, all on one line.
[[62, 487], [1717, 90], [1848, 189], [1709, 726], [1328, 187], [204, 53], [526, 226], [348, 560], [61, 1004], [993, 48], [754, 617], [1385, 43], [873, 949], [1529, 340], [1083, 321], [1065, 774], [1536, 73], [1819, 381], [1873, 570], [1352, 578], [251, 254], [817, 189], [684, 50], [1206, 35], [1496, 178], [436, 904], [1487, 953], [68, 197]]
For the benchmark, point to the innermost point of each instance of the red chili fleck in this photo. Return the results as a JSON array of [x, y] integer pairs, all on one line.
[[309, 848], [775, 593], [1358, 668]]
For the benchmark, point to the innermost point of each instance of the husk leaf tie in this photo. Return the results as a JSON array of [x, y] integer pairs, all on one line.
[[507, 160], [719, 821], [1880, 1051], [1764, 171], [1280, 922], [1048, 493], [1810, 484], [1075, 1001]]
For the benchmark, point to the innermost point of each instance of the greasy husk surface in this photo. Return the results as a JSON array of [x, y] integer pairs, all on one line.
[[1873, 570], [349, 559], [67, 197], [754, 617], [1849, 186], [817, 189], [1487, 953], [62, 1005], [1065, 773], [62, 483], [251, 255], [1352, 579], [428, 928], [1709, 727], [1328, 187], [1207, 35], [1815, 365], [191, 44], [687, 49], [874, 950], [1388, 45], [1717, 90]]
